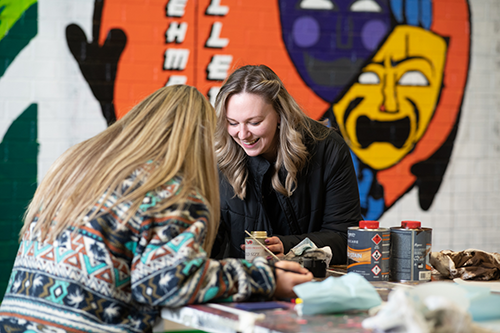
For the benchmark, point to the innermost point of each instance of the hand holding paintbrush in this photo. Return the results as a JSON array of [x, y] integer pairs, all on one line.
[[296, 271], [289, 274]]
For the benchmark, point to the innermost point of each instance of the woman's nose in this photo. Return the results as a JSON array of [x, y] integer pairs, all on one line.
[[243, 132]]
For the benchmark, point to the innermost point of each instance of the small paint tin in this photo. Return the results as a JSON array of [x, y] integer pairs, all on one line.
[[368, 251], [316, 266], [254, 250], [410, 252]]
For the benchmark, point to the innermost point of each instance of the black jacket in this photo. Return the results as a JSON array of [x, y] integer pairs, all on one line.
[[324, 204]]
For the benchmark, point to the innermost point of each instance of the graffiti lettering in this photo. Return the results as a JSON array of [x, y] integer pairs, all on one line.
[[212, 94], [218, 67], [216, 9], [176, 59], [175, 8], [214, 40], [176, 32]]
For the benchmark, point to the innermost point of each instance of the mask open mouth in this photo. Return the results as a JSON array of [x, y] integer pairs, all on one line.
[[394, 132]]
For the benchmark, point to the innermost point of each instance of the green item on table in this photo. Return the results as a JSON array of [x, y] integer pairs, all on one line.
[[337, 294]]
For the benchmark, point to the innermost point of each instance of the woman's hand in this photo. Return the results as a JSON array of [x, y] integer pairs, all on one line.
[[285, 281], [274, 245]]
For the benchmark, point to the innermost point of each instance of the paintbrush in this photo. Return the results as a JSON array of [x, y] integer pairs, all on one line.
[[265, 248]]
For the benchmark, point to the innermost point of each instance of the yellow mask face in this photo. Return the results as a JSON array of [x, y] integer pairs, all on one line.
[[386, 112]]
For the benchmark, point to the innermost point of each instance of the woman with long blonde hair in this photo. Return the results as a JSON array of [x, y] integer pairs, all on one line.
[[281, 171], [121, 226]]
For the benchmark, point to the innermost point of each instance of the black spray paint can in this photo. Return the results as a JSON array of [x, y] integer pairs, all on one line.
[[410, 252], [368, 251]]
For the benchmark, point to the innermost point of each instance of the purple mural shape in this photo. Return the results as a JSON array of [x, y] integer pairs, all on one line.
[[329, 40]]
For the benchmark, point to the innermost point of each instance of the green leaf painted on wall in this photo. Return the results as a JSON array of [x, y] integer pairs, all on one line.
[[10, 12], [18, 182], [18, 25]]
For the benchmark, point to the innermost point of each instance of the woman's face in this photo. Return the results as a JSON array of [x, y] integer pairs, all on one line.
[[252, 122]]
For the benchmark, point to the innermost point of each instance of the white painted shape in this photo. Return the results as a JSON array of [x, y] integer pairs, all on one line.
[[317, 4], [214, 39], [219, 66], [176, 32], [413, 78], [212, 94], [176, 59], [365, 6], [215, 8], [369, 78], [176, 8]]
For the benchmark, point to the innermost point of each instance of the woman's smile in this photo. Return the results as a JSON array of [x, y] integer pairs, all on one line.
[[250, 143]]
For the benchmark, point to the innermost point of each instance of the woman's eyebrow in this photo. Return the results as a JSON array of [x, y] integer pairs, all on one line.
[[248, 119]]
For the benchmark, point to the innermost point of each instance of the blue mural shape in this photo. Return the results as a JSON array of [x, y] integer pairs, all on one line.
[[329, 41]]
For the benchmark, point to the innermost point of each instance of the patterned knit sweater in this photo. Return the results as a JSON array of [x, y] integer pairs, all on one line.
[[107, 276]]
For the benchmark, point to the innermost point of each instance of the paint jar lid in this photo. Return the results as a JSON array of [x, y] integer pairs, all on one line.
[[368, 224], [411, 224], [259, 234]]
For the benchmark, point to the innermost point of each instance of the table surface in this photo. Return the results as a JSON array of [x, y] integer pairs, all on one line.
[[225, 317], [217, 319]]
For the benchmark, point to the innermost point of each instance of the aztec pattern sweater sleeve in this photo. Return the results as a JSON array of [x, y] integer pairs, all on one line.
[[170, 268]]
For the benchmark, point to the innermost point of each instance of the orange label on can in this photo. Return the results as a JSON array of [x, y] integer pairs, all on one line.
[[360, 256]]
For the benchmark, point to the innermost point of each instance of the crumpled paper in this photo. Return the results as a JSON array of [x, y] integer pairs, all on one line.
[[438, 307], [470, 264], [307, 249], [336, 294]]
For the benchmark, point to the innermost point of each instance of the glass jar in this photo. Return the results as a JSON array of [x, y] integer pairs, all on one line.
[[254, 250]]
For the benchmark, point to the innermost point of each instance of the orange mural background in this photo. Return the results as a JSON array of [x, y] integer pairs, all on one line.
[[252, 27]]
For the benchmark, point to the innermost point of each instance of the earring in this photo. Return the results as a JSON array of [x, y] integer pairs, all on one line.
[[278, 126]]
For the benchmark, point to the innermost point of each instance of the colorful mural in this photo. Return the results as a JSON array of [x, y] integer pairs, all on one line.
[[395, 73], [390, 75]]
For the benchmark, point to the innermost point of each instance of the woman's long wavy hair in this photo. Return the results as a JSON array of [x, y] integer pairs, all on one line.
[[295, 126], [170, 133]]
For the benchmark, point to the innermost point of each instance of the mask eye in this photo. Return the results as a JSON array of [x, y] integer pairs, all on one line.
[[365, 6], [369, 78], [413, 78], [317, 4]]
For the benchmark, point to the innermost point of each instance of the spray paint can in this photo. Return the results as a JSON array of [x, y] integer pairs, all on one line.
[[254, 250], [410, 252], [368, 251]]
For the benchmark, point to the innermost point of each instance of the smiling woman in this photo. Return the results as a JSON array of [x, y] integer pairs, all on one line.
[[291, 176], [253, 124]]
